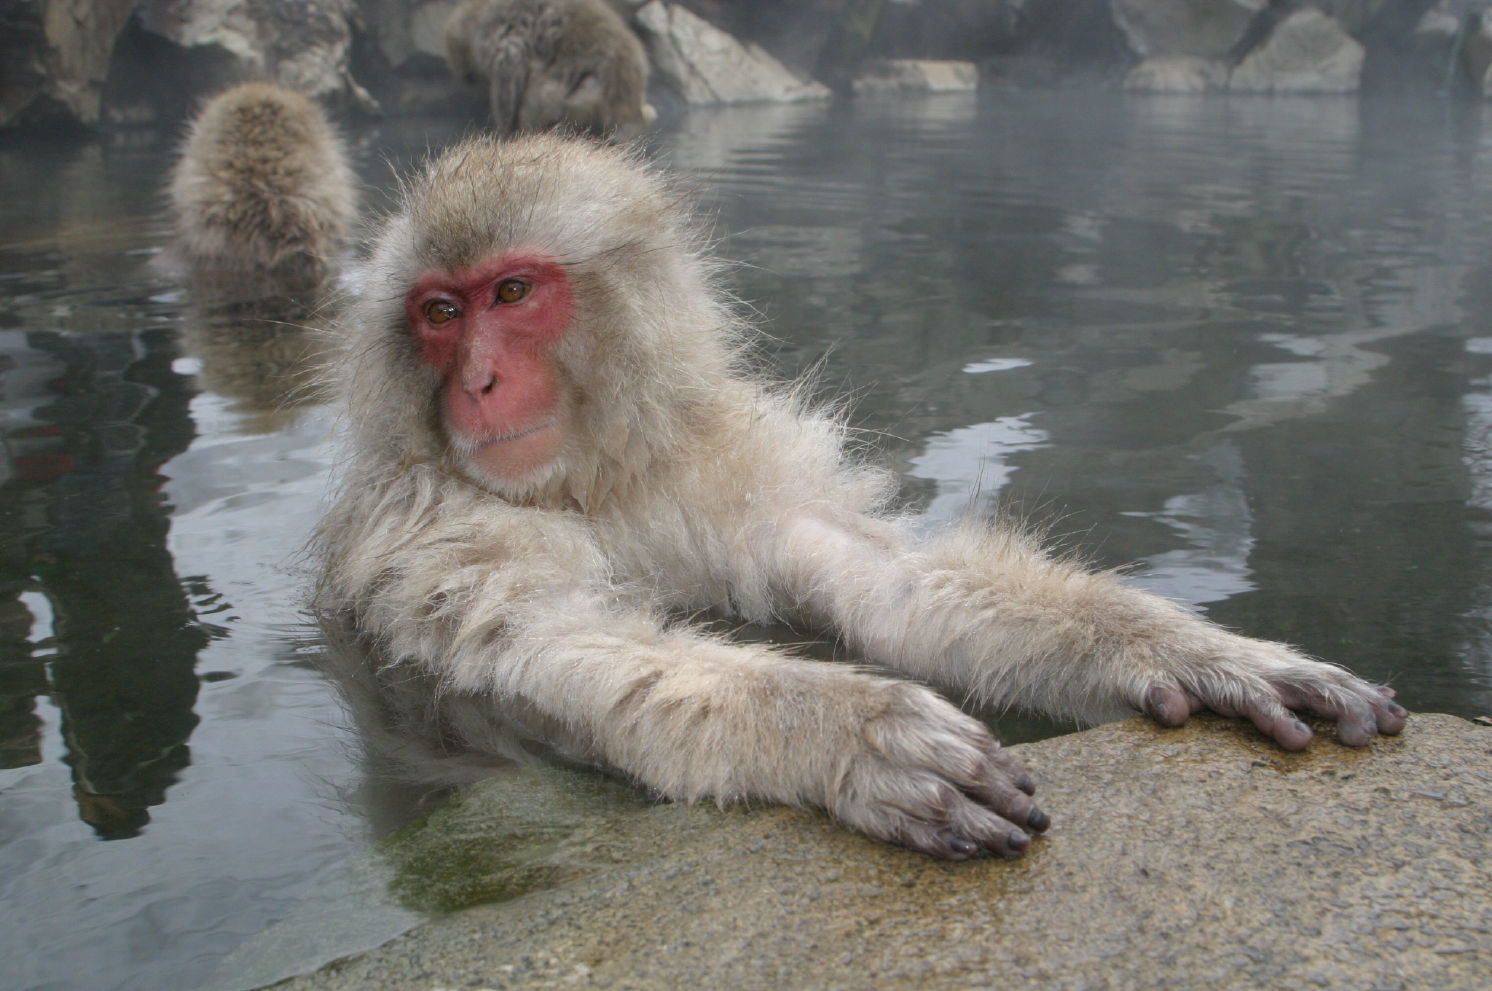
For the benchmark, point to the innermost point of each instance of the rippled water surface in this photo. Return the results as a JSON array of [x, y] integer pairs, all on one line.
[[1246, 344]]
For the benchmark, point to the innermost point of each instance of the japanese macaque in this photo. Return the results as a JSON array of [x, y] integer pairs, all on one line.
[[262, 188], [548, 62], [559, 454]]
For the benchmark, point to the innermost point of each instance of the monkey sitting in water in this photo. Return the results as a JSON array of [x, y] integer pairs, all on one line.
[[557, 451], [262, 189], [548, 62]]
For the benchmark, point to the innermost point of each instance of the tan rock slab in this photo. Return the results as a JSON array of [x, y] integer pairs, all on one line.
[[1203, 857]]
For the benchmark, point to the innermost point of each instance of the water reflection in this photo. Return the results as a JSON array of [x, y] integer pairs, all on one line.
[[1216, 527], [85, 532], [970, 466], [253, 340], [138, 702]]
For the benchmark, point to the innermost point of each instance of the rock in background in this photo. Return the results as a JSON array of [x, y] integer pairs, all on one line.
[[1307, 52], [700, 64], [54, 59], [85, 64]]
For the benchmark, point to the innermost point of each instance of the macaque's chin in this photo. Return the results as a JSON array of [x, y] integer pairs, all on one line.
[[513, 458]]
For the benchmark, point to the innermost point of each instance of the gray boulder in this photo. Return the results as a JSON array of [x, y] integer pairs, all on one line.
[[702, 65], [1307, 52], [54, 58], [304, 45]]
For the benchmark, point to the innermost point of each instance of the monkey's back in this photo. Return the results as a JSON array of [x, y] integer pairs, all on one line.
[[262, 182]]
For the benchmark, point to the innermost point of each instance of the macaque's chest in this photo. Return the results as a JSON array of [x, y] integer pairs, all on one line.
[[682, 558]]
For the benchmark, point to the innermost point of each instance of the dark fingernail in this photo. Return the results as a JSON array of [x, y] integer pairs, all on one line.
[[961, 846], [1019, 840], [1302, 726], [1037, 819], [1395, 709]]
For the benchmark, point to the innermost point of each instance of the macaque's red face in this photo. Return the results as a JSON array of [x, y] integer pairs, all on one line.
[[490, 332]]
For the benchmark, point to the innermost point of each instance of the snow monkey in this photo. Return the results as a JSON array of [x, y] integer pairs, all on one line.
[[262, 187], [559, 454], [552, 61]]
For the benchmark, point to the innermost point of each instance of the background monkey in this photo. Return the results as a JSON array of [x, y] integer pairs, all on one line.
[[556, 447], [262, 187], [552, 61]]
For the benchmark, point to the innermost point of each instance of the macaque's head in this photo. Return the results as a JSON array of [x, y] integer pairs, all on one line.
[[536, 317]]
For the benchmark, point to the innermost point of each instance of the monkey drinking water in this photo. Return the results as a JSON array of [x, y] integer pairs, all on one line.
[[547, 62], [557, 451]]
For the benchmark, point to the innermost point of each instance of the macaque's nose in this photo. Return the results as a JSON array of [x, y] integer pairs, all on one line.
[[479, 372]]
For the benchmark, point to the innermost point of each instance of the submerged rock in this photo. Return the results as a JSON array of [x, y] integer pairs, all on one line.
[[916, 76], [1177, 74], [1204, 852]]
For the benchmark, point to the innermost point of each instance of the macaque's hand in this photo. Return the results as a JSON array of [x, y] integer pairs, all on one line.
[[929, 777], [1263, 682]]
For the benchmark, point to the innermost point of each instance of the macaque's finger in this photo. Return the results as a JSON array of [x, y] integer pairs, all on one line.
[[955, 843], [998, 764], [1171, 705], [991, 832], [1000, 784], [1167, 704], [934, 779], [1009, 802], [960, 828], [1277, 722], [1391, 715], [1361, 711]]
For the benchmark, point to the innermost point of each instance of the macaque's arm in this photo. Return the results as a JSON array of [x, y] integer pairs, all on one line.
[[692, 715], [989, 613]]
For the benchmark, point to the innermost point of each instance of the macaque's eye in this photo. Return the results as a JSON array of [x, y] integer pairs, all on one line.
[[438, 311], [511, 290]]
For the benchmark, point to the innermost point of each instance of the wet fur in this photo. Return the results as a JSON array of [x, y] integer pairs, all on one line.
[[687, 484]]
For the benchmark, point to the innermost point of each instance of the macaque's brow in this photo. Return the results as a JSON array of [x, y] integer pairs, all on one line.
[[513, 264]]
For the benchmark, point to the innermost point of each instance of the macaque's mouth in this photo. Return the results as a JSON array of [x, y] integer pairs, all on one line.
[[516, 435], [499, 444]]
